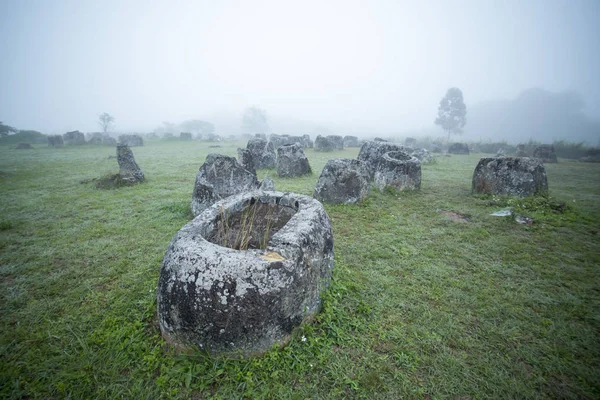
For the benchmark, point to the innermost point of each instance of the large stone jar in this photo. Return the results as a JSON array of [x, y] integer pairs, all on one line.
[[372, 151], [343, 181], [291, 161], [510, 176], [220, 176], [399, 170], [245, 272]]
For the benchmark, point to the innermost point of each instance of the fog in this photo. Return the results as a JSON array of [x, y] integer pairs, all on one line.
[[350, 67]]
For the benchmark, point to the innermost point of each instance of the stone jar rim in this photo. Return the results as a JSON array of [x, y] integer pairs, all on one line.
[[399, 156], [284, 241]]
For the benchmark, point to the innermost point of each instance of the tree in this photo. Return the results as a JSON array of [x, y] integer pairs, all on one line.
[[6, 130], [255, 120], [106, 121], [452, 112], [199, 127]]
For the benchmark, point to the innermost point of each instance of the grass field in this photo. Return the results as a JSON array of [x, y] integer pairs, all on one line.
[[431, 296]]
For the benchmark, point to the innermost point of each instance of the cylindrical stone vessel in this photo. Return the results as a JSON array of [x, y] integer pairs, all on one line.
[[510, 176], [291, 161], [372, 151], [245, 272], [343, 181], [129, 170], [398, 170]]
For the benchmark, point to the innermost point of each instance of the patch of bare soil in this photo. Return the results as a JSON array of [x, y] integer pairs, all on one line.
[[456, 217]]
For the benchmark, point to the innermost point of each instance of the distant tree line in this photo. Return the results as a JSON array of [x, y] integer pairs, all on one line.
[[6, 130], [12, 135], [198, 128], [535, 114]]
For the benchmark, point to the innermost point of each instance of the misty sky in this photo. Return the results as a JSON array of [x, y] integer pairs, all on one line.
[[352, 65]]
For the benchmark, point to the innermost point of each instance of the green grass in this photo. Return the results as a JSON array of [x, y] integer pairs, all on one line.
[[420, 306]]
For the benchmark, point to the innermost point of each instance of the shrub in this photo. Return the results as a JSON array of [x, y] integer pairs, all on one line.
[[30, 137], [570, 150]]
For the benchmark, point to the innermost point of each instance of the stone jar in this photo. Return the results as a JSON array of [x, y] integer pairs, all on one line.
[[546, 153], [458, 148], [399, 170], [372, 151], [129, 170], [323, 143], [291, 161], [510, 176], [343, 181], [263, 153], [220, 176], [245, 272]]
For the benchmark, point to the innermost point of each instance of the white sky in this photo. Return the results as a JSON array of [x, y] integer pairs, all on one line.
[[379, 65]]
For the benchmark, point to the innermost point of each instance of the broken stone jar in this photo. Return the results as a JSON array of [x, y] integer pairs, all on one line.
[[245, 272]]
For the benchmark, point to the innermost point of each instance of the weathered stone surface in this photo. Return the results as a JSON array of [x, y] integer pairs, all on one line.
[[546, 153], [303, 141], [263, 153], [129, 171], [222, 297], [220, 177], [398, 170], [343, 181], [322, 143], [278, 140], [245, 159], [371, 152], [131, 140], [55, 141], [73, 138], [291, 161], [351, 141], [308, 143], [267, 184], [410, 142], [185, 136], [424, 156], [510, 176], [337, 140], [282, 140], [23, 146], [458, 148], [101, 138]]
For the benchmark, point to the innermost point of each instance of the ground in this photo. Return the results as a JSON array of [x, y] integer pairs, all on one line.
[[431, 296]]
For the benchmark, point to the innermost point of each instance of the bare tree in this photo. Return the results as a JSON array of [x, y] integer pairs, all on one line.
[[106, 121]]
